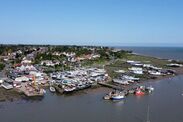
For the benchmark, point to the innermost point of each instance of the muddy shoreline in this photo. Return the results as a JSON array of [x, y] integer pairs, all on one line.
[[13, 95]]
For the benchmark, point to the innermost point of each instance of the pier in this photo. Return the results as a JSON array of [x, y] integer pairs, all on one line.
[[110, 86]]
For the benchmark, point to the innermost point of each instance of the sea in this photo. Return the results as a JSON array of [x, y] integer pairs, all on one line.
[[165, 104]]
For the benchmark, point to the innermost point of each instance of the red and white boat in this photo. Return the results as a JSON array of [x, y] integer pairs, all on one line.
[[139, 92]]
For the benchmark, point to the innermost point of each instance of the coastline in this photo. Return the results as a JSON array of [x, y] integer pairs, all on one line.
[[13, 95], [119, 63]]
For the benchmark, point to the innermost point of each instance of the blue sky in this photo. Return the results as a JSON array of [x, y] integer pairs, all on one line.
[[92, 22]]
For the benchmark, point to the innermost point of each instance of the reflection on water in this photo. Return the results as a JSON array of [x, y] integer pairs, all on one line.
[[118, 103], [165, 100]]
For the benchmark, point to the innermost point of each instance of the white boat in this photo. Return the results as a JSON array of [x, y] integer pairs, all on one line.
[[150, 88], [117, 95], [123, 82], [52, 89], [69, 89]]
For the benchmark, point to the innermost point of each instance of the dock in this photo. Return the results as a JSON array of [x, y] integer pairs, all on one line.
[[30, 91], [110, 86]]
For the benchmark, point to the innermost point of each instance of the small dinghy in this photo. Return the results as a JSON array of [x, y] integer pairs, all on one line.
[[52, 89]]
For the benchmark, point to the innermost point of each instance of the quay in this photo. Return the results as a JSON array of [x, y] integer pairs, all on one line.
[[30, 91], [124, 89], [110, 86]]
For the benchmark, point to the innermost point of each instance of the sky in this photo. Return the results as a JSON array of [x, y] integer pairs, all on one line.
[[92, 22]]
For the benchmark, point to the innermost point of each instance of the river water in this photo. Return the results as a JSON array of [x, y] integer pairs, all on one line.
[[165, 105]]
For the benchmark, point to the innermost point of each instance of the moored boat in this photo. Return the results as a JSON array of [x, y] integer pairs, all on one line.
[[139, 92], [115, 95], [52, 89], [83, 86], [150, 89], [118, 97], [69, 89]]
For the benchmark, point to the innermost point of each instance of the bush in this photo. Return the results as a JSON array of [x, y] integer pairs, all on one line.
[[2, 66]]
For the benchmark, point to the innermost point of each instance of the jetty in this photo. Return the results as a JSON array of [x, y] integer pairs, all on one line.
[[110, 86]]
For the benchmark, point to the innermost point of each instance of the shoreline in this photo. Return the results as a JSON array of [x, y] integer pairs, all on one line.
[[115, 63], [13, 95]]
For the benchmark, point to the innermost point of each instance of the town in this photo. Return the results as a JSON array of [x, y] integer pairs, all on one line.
[[28, 70]]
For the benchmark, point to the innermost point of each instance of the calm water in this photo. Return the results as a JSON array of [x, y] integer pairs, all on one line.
[[162, 52], [166, 105]]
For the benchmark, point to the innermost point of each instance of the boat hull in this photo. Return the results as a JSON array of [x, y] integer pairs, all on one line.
[[139, 93], [118, 98]]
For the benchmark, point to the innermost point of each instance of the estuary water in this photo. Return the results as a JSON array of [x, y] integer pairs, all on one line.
[[161, 52], [165, 105]]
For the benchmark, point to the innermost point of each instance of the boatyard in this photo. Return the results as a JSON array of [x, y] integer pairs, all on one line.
[[77, 68]]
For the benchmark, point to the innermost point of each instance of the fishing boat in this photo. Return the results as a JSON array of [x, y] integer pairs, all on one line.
[[139, 92], [117, 95], [52, 89]]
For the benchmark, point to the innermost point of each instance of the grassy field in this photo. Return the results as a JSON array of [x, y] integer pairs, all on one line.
[[120, 64], [149, 60]]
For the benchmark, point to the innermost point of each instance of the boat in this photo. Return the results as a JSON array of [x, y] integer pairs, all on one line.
[[83, 86], [52, 89], [69, 89], [117, 95], [139, 92], [107, 97], [150, 89], [131, 91]]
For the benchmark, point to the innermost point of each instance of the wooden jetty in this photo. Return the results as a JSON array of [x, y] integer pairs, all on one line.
[[110, 86]]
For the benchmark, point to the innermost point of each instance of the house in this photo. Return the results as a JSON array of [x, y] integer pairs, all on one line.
[[26, 67], [50, 62]]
